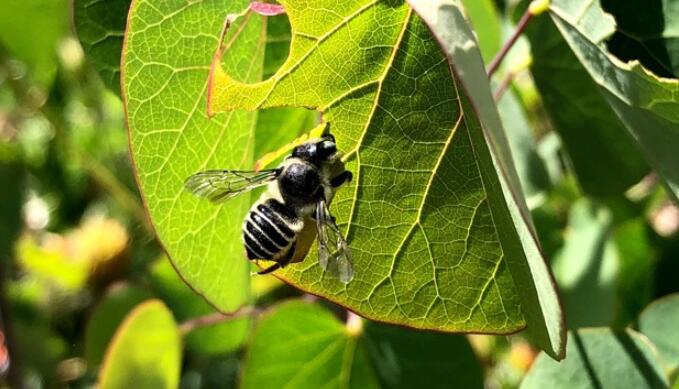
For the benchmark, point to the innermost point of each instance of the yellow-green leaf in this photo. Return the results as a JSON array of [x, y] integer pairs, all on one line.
[[145, 351], [426, 250]]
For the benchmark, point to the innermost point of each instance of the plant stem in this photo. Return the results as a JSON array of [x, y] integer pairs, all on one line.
[[495, 63], [504, 85], [535, 8], [217, 318]]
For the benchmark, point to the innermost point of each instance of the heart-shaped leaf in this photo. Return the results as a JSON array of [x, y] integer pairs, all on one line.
[[145, 351], [435, 217], [417, 214], [350, 356]]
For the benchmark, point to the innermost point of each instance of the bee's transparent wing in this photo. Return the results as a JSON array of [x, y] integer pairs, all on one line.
[[334, 254], [221, 185]]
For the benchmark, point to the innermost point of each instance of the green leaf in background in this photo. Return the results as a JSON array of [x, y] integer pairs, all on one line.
[[646, 32], [539, 298], [145, 351], [600, 358], [107, 316], [638, 263], [529, 165], [407, 359], [485, 21], [586, 268], [300, 344], [646, 104], [167, 54], [605, 158], [30, 31], [185, 304], [659, 322], [100, 25]]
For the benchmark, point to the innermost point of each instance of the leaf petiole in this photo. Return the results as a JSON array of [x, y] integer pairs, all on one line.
[[535, 8]]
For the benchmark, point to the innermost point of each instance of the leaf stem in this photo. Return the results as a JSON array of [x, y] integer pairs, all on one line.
[[218, 318], [535, 8], [504, 85]]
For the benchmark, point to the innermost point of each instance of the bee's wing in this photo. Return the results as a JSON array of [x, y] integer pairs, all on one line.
[[220, 185], [334, 254]]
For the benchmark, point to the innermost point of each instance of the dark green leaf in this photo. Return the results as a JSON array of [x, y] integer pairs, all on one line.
[[604, 156], [410, 359], [646, 32], [600, 358], [646, 104], [100, 25]]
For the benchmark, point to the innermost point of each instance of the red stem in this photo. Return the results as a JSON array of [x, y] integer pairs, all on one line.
[[495, 63]]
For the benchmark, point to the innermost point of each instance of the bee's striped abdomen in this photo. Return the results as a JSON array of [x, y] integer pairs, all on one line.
[[269, 230]]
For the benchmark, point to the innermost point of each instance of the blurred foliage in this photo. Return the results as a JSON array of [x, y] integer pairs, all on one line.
[[79, 261]]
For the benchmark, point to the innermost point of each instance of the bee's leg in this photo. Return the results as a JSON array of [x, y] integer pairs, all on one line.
[[343, 177], [282, 263]]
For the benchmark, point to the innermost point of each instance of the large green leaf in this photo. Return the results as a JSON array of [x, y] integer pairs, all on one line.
[[145, 351], [647, 32], [100, 25], [646, 104], [659, 322], [303, 345], [417, 214], [529, 164], [167, 52], [600, 358], [604, 156]]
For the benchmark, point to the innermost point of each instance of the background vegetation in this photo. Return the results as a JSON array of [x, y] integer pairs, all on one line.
[[88, 295]]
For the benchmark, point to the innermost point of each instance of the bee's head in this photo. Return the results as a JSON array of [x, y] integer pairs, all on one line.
[[316, 151]]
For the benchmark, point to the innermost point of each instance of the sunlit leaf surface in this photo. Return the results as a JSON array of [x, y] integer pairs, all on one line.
[[417, 215]]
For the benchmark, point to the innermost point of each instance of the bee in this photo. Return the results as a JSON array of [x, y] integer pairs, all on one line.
[[294, 209]]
